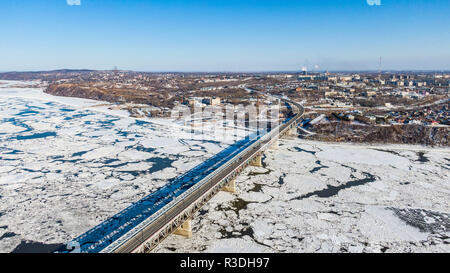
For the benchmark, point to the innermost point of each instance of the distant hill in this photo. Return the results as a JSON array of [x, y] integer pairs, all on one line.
[[44, 75]]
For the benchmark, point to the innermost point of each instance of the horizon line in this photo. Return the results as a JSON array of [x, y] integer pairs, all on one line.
[[227, 71]]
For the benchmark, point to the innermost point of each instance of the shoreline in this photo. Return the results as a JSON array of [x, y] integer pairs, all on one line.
[[391, 146], [206, 132], [102, 107]]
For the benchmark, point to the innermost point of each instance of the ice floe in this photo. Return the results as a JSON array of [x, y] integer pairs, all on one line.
[[66, 166], [322, 197]]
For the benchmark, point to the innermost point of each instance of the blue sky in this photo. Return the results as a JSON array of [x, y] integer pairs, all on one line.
[[218, 35]]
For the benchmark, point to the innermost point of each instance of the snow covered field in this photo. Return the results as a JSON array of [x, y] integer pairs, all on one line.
[[319, 197], [65, 165]]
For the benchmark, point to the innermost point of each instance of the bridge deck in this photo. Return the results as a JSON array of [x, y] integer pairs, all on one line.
[[108, 231]]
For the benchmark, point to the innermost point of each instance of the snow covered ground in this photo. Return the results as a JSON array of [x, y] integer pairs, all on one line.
[[319, 197], [66, 165]]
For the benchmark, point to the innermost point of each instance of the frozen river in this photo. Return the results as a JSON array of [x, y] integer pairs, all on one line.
[[65, 168], [321, 197]]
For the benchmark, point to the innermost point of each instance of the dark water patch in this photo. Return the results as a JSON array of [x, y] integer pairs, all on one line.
[[35, 107], [281, 179], [247, 231], [160, 163], [37, 136], [141, 148], [387, 151], [405, 183], [68, 160], [36, 247], [256, 188], [334, 190], [343, 249], [3, 227], [305, 151], [201, 141], [27, 113], [333, 212], [384, 249], [67, 110], [424, 220], [422, 157], [316, 169], [202, 212], [80, 115], [8, 235], [79, 153], [108, 161], [61, 159], [351, 169], [7, 159], [36, 171], [239, 204], [107, 124], [197, 148], [124, 133], [142, 122], [263, 162], [19, 123], [13, 152]]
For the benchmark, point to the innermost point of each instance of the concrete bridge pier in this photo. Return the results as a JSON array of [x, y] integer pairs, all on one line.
[[185, 229], [230, 187], [292, 131], [257, 162], [275, 145]]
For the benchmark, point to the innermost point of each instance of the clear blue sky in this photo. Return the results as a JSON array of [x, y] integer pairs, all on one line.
[[224, 35]]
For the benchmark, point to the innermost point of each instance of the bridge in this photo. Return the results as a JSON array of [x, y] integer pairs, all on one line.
[[143, 225]]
